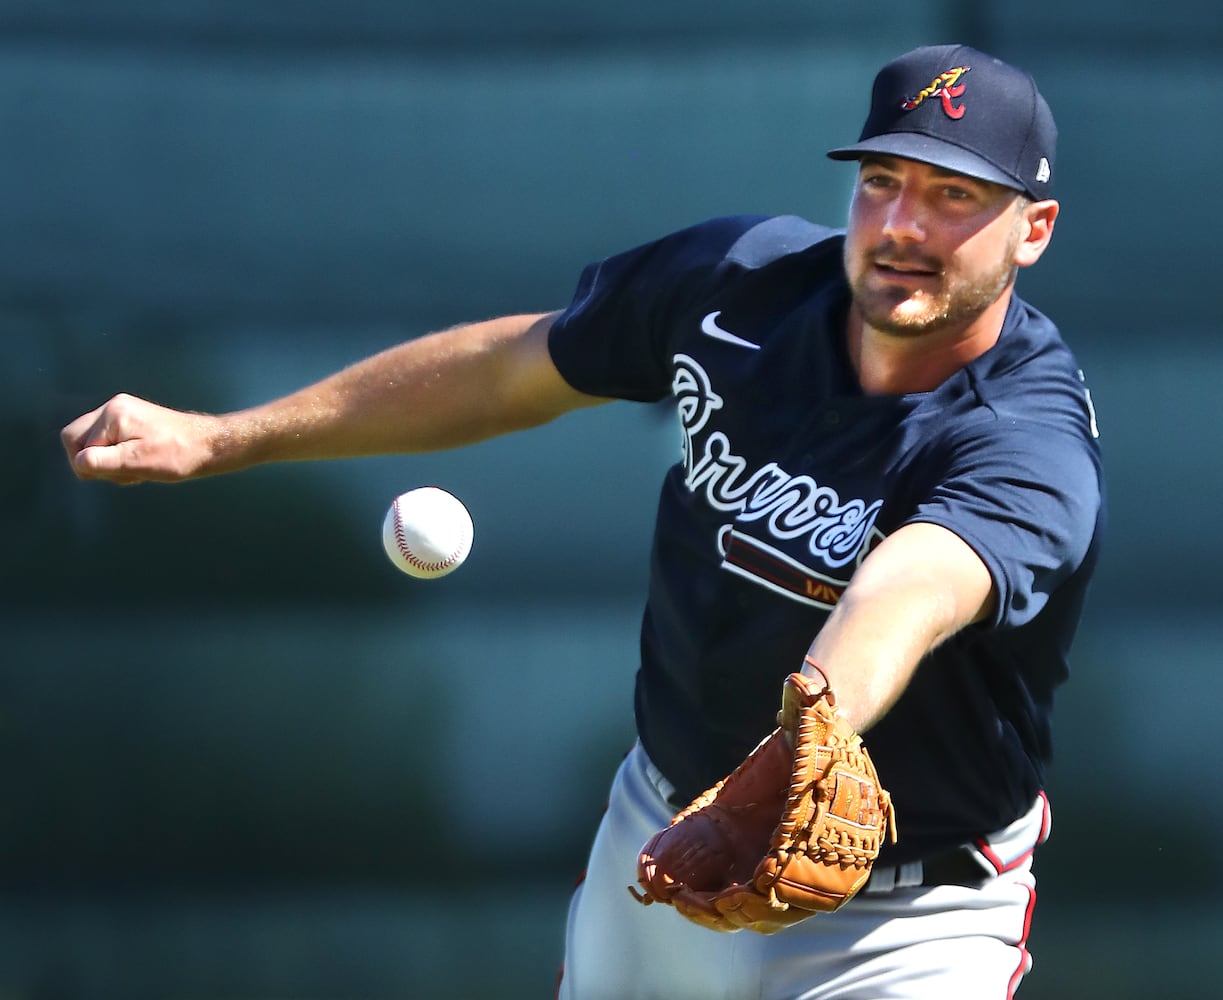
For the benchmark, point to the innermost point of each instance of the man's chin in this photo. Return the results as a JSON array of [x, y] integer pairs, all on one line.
[[905, 320]]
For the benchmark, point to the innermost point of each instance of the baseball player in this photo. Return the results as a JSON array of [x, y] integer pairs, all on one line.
[[889, 498]]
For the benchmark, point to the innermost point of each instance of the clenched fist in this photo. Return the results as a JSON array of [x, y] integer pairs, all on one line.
[[129, 440]]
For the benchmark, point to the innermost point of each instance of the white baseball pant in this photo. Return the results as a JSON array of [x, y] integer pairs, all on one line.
[[896, 938]]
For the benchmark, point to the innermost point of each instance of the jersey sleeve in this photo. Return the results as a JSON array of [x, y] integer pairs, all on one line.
[[1028, 501], [614, 339]]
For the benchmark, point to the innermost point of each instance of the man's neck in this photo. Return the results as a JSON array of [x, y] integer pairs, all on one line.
[[893, 364]]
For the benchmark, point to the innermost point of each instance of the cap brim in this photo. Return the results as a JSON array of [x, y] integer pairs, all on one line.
[[925, 149]]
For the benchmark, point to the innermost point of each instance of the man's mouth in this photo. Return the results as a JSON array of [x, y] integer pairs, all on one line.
[[906, 268]]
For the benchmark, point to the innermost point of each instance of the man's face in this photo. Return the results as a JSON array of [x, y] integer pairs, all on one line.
[[927, 249]]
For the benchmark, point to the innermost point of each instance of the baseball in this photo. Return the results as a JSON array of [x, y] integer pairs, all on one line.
[[427, 532]]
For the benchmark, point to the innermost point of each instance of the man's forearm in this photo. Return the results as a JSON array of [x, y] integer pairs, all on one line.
[[441, 391], [921, 586]]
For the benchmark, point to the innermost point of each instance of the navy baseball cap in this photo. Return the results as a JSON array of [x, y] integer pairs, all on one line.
[[956, 108]]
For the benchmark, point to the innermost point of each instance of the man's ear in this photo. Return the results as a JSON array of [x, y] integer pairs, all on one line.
[[1036, 231]]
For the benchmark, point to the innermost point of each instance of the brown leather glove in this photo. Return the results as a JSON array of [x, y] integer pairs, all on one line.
[[793, 831]]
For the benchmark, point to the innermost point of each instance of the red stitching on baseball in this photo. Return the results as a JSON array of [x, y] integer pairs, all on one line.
[[402, 543]]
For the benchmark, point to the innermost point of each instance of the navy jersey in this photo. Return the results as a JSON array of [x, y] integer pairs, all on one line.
[[790, 474]]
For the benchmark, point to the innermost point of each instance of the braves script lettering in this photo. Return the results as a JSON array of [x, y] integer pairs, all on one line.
[[791, 506]]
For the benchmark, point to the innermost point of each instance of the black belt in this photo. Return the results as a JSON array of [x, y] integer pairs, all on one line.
[[959, 866]]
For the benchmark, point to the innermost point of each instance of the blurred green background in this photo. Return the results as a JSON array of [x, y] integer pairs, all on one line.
[[241, 756]]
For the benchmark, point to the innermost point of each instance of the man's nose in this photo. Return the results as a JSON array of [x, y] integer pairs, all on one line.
[[905, 221]]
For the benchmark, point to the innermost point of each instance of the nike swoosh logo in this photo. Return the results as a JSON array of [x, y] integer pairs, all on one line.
[[709, 327]]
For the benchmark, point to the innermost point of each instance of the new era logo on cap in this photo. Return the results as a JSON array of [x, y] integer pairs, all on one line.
[[960, 109]]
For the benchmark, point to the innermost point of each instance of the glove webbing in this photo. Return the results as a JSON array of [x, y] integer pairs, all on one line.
[[817, 735]]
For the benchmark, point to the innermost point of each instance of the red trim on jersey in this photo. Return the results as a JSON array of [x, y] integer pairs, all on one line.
[[999, 865], [1025, 956]]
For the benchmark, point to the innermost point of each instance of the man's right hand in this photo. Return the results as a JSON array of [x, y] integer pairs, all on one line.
[[129, 440]]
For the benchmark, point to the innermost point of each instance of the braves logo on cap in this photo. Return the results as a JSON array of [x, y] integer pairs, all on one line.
[[945, 86]]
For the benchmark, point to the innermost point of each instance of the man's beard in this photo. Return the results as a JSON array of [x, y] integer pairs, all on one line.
[[954, 305]]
